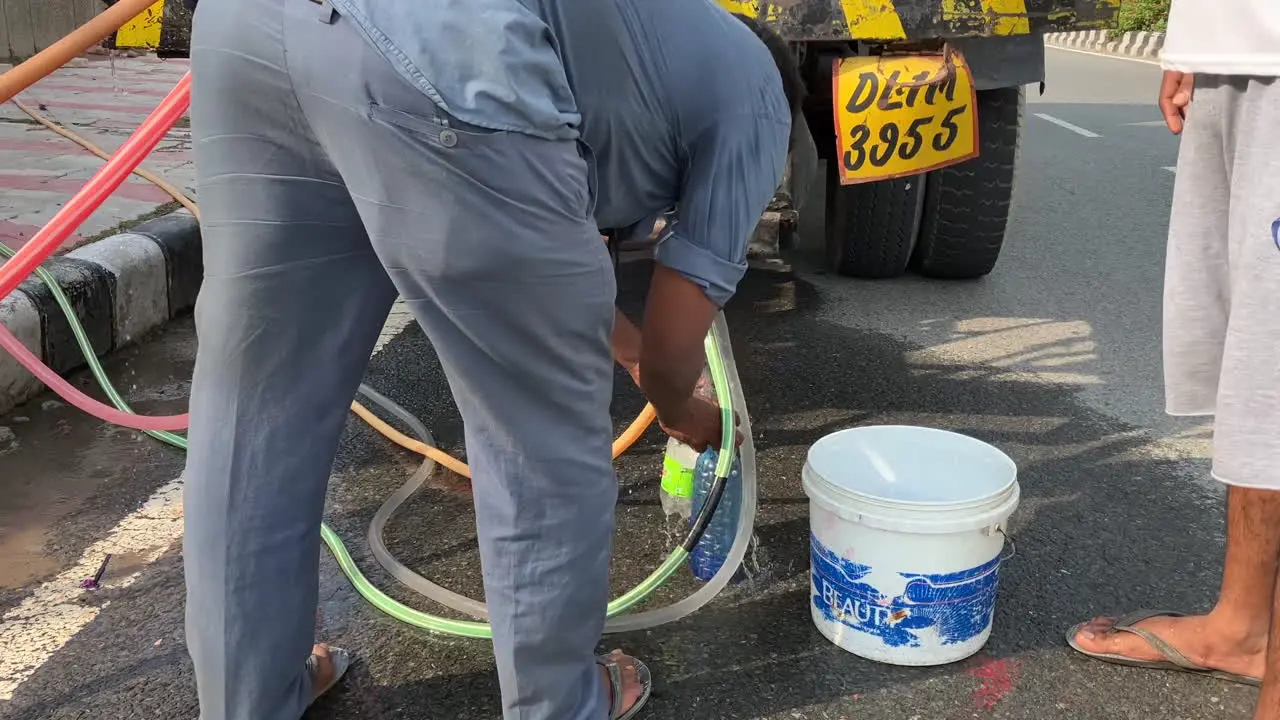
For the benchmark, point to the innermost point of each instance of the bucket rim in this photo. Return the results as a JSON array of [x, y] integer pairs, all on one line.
[[901, 518], [926, 506]]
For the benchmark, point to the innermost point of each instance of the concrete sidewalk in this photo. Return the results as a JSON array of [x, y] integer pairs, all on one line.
[[103, 99]]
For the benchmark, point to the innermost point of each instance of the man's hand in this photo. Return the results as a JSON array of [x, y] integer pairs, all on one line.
[[1175, 95], [698, 425]]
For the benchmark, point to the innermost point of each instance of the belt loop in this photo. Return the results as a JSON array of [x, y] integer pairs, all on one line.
[[326, 13]]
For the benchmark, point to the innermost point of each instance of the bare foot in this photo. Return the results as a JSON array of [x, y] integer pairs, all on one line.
[[322, 675], [632, 688], [1203, 639]]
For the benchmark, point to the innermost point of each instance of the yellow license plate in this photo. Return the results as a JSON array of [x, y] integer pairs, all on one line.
[[898, 116]]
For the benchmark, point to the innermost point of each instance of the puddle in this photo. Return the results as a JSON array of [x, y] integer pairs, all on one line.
[[67, 478], [41, 488], [25, 560]]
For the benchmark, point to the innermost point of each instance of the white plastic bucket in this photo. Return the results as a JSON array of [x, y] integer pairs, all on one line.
[[906, 532]]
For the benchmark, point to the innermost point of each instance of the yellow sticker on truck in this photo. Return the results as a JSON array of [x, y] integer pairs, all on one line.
[[902, 115]]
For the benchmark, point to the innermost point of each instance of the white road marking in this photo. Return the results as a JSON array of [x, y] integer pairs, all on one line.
[[1171, 169], [1147, 123], [1081, 51], [1063, 123], [47, 619], [397, 321]]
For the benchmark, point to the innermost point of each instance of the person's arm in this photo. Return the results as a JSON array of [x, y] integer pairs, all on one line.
[[626, 344], [677, 316], [733, 168]]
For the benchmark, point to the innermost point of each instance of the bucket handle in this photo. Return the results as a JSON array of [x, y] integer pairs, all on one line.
[[1006, 554], [1012, 550]]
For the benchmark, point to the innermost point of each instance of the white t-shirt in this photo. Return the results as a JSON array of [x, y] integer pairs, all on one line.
[[1223, 37]]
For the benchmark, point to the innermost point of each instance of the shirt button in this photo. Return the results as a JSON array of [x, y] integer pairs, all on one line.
[[448, 138]]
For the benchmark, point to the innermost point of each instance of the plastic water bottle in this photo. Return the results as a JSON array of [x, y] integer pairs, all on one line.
[[712, 550], [676, 492]]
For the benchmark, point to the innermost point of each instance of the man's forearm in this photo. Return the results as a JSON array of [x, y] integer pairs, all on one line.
[[669, 385], [626, 344], [677, 318]]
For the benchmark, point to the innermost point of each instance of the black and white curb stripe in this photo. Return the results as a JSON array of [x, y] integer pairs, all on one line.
[[1145, 45], [121, 288]]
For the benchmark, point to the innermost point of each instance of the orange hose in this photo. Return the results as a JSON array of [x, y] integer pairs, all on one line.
[[622, 444], [635, 430], [409, 443], [24, 75]]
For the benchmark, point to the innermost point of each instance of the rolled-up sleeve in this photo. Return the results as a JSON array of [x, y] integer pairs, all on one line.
[[732, 169]]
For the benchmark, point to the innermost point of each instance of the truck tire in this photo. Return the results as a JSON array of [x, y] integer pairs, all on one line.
[[966, 206], [871, 227]]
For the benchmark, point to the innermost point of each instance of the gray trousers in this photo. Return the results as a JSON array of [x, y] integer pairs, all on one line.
[[327, 186]]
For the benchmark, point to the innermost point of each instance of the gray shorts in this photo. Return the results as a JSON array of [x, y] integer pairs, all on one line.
[[1222, 276]]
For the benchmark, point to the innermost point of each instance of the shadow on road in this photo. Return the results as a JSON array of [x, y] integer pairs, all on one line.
[[1095, 531], [1104, 525]]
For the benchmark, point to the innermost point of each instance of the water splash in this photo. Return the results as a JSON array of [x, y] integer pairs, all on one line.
[[116, 87]]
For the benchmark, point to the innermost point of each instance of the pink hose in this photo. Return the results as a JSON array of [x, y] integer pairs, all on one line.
[[69, 393], [98, 189], [65, 222]]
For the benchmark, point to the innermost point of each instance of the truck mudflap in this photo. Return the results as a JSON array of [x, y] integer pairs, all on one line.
[[896, 20]]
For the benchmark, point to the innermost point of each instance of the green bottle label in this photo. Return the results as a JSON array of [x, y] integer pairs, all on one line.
[[677, 480]]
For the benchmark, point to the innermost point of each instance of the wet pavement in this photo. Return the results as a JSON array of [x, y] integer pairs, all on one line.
[[1054, 358]]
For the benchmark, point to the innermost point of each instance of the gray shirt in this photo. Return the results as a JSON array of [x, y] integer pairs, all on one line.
[[678, 102]]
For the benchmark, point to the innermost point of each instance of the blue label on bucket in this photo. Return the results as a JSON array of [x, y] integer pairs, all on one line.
[[957, 606]]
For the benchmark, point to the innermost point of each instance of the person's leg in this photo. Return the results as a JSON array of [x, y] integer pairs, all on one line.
[[1269, 699], [489, 239], [1233, 636], [1246, 441], [1198, 309], [292, 303]]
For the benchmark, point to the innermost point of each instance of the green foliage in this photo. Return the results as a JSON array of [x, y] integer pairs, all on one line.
[[1151, 15]]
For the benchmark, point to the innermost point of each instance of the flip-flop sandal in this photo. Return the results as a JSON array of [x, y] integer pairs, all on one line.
[[614, 669], [1174, 660], [341, 660]]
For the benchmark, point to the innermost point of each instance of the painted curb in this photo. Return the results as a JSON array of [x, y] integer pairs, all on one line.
[[1144, 45], [121, 287]]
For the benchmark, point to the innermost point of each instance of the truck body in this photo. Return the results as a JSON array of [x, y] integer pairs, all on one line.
[[911, 123], [941, 213]]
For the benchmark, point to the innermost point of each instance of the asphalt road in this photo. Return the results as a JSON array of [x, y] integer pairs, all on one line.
[[1054, 358]]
